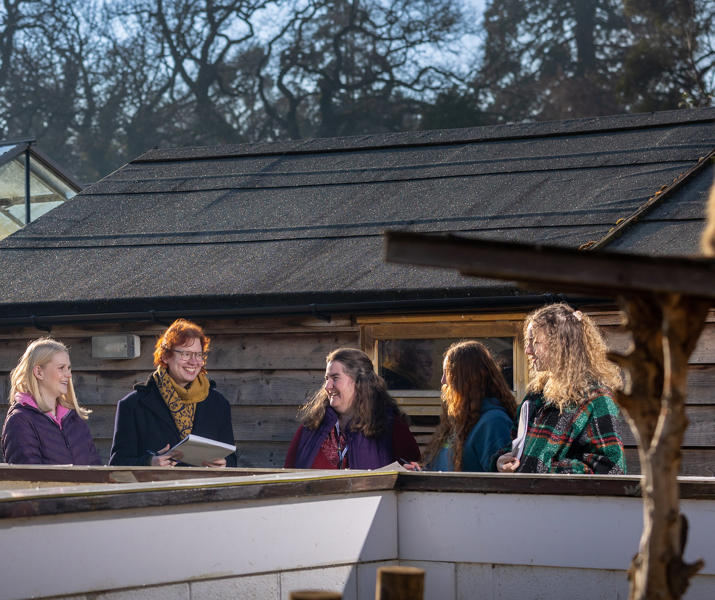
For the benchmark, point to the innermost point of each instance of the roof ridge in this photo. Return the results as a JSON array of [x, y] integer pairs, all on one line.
[[379, 141], [655, 200]]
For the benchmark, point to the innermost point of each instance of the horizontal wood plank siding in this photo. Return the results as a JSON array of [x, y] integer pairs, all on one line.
[[267, 367], [699, 439]]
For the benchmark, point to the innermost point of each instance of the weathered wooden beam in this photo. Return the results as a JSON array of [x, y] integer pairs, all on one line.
[[606, 273]]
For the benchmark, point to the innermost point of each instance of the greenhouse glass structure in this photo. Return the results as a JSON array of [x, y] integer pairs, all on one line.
[[31, 184]]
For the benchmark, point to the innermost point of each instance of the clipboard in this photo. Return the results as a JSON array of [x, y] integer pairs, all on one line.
[[197, 449]]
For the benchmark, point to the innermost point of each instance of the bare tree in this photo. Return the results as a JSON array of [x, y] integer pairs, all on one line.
[[340, 67], [551, 59], [98, 82], [16, 16], [200, 45], [670, 61], [40, 87]]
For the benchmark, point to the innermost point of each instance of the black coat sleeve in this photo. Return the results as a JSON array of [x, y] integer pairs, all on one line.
[[226, 430], [126, 443]]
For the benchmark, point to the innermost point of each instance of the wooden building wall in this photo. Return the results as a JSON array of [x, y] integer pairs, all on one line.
[[264, 367], [699, 441], [267, 367]]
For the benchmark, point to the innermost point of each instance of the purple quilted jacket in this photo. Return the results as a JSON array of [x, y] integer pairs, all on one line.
[[31, 437]]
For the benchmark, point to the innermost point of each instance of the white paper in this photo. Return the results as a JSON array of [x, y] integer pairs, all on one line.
[[197, 450], [517, 444]]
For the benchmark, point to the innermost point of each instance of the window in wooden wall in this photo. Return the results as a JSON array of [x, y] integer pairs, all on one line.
[[408, 351], [416, 364]]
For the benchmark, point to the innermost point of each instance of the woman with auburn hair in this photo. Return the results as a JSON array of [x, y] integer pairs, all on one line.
[[478, 411], [352, 421], [45, 424], [568, 420], [177, 399]]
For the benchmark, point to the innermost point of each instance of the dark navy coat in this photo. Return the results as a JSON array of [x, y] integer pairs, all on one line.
[[143, 424]]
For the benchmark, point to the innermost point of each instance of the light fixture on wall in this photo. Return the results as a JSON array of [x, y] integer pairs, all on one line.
[[125, 345]]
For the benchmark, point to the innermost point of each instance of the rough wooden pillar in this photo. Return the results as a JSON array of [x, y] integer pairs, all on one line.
[[707, 241], [400, 583], [665, 331]]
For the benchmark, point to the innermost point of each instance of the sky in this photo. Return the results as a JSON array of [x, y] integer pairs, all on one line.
[[477, 4]]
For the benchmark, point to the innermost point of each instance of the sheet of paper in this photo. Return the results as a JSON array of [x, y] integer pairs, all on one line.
[[196, 450]]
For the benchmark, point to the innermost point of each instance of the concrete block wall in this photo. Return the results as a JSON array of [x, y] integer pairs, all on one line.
[[460, 581]]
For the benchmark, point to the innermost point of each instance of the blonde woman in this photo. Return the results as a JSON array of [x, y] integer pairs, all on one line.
[[568, 420], [45, 424]]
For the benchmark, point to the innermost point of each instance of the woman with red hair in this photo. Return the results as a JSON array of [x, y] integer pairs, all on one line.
[[177, 399], [478, 410]]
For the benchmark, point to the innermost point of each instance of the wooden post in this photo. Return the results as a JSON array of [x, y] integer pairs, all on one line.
[[400, 583], [665, 329], [707, 241], [665, 299], [315, 595]]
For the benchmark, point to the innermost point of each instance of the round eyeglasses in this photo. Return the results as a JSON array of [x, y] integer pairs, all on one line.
[[186, 356]]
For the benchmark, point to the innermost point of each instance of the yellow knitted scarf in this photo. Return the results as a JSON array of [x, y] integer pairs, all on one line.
[[181, 401]]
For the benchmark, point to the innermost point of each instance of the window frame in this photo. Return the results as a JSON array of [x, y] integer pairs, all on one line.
[[374, 329]]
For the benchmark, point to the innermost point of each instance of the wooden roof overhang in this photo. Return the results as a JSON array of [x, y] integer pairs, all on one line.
[[607, 274]]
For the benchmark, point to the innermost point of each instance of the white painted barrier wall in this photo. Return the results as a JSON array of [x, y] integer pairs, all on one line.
[[506, 546], [490, 546], [123, 549]]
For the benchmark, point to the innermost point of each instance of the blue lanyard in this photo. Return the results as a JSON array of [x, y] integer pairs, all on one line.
[[341, 451]]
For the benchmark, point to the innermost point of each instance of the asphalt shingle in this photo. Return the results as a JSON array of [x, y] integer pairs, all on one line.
[[302, 221]]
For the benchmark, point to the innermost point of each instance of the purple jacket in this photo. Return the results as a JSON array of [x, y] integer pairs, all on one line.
[[31, 437], [363, 452]]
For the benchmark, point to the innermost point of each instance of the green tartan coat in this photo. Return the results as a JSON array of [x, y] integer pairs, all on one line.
[[581, 439]]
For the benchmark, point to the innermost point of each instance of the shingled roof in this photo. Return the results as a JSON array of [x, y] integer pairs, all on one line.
[[296, 223]]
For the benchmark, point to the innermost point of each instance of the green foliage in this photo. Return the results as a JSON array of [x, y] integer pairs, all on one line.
[[453, 108], [554, 59]]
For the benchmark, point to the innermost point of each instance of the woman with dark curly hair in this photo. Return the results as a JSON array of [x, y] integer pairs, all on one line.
[[351, 422], [568, 420], [177, 399], [478, 411]]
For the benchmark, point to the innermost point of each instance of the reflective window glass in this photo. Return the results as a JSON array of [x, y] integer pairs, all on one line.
[[416, 364]]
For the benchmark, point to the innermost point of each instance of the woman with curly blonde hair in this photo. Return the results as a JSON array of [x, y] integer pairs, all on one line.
[[568, 422], [478, 411]]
